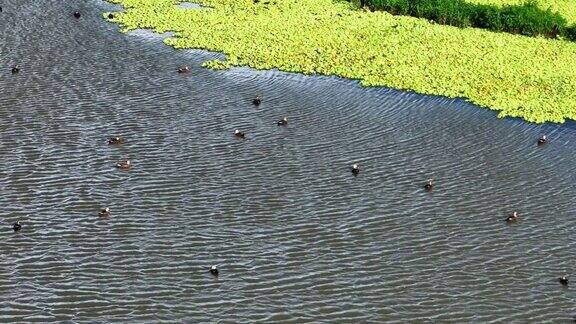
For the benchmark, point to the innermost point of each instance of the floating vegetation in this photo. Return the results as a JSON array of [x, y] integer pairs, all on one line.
[[519, 76]]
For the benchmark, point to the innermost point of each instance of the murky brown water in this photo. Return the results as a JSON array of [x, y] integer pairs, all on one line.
[[296, 237]]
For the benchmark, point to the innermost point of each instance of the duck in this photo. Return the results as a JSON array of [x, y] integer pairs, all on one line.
[[15, 69], [429, 185], [124, 165], [16, 227], [214, 270], [239, 134], [355, 169], [115, 140], [105, 212], [257, 101], [563, 280], [77, 14], [110, 16], [512, 218], [184, 69], [542, 140], [283, 121]]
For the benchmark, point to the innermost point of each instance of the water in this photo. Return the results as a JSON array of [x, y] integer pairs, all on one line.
[[297, 238]]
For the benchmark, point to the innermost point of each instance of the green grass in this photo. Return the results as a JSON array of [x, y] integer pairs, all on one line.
[[526, 19], [566, 8], [531, 78]]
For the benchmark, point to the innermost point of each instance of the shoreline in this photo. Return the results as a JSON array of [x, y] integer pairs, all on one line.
[[515, 75]]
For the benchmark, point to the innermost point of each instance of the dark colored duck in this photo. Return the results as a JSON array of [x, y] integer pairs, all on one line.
[[214, 270], [283, 121], [124, 165], [110, 16], [355, 169], [257, 101], [115, 140], [16, 227], [512, 218], [183, 69], [563, 281], [429, 185], [239, 134], [543, 140], [77, 14], [105, 213], [15, 69]]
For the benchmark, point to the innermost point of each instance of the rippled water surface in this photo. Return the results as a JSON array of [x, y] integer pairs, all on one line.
[[297, 238]]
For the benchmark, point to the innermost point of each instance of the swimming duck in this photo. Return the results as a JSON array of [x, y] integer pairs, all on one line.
[[16, 227], [429, 185], [563, 281], [124, 165], [257, 101], [239, 134], [355, 169], [214, 270], [105, 212], [76, 14], [283, 121], [15, 69], [512, 218], [115, 140], [184, 69], [542, 140]]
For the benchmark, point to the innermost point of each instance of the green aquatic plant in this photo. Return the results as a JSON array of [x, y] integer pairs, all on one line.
[[519, 76], [217, 65]]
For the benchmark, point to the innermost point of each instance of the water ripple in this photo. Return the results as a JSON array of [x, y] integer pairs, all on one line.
[[296, 236]]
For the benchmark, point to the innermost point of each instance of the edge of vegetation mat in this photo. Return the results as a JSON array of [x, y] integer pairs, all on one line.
[[527, 77]]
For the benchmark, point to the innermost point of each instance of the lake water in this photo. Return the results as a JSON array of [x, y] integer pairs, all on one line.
[[296, 237]]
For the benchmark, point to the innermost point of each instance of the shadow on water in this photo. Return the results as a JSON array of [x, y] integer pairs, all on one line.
[[294, 235]]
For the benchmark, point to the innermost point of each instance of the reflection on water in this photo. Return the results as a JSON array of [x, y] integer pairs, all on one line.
[[190, 5], [295, 236], [149, 34]]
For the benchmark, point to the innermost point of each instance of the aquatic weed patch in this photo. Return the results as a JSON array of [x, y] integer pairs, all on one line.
[[519, 76]]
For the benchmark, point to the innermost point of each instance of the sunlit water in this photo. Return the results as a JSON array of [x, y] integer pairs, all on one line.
[[297, 238]]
